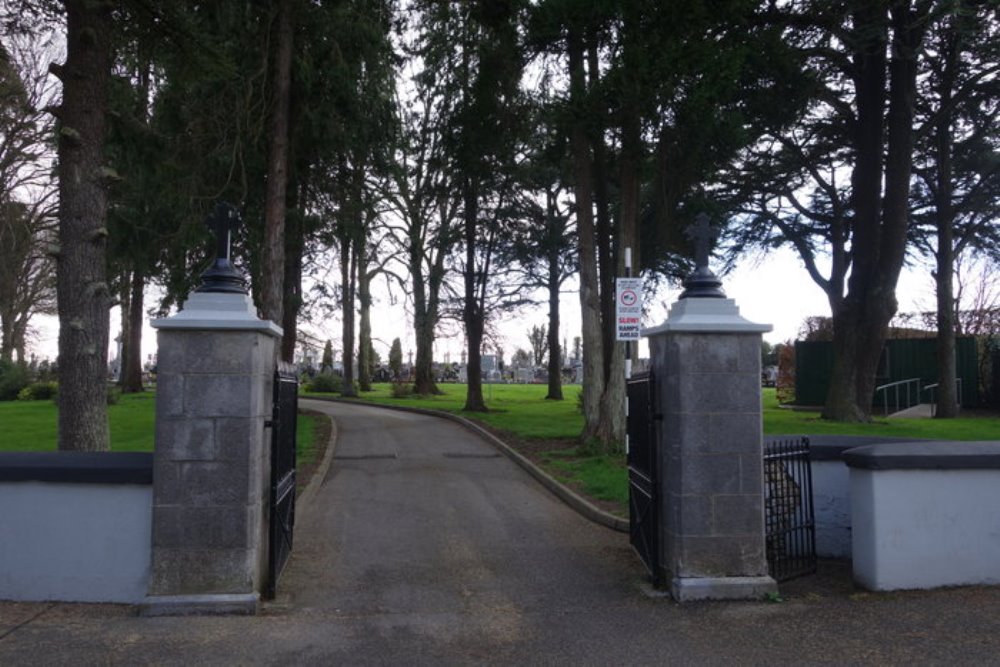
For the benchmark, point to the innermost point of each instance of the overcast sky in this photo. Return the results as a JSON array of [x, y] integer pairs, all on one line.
[[776, 290]]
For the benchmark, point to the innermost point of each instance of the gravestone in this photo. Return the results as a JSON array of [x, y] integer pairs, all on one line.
[[706, 363], [211, 461]]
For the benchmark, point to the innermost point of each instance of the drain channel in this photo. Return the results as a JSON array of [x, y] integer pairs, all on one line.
[[463, 455], [363, 457]]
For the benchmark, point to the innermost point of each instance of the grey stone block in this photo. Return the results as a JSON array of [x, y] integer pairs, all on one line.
[[218, 396], [687, 432], [261, 396], [734, 432], [719, 392], [169, 395], [752, 473], [688, 589], [213, 483], [737, 514], [692, 515], [199, 528], [220, 604], [749, 351], [211, 352], [186, 439], [166, 481], [235, 438], [199, 572], [721, 556], [710, 353], [709, 474]]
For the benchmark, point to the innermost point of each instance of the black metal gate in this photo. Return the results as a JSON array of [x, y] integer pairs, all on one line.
[[282, 514], [643, 475], [788, 508]]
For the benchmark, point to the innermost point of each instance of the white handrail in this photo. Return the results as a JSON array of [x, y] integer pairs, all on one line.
[[908, 384], [932, 387]]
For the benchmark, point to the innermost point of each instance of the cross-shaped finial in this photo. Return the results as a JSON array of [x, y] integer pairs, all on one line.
[[702, 234], [222, 221], [702, 284], [221, 276]]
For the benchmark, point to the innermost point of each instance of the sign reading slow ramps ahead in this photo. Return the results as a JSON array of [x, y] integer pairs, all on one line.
[[628, 311]]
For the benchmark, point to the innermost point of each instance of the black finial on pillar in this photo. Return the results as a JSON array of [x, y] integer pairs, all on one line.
[[702, 284], [221, 276]]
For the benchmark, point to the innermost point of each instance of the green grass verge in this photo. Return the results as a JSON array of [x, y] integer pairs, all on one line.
[[518, 408], [32, 426], [305, 438], [601, 477], [783, 421]]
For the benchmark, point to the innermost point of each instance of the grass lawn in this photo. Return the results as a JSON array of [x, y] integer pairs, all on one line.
[[31, 426], [546, 430], [782, 421]]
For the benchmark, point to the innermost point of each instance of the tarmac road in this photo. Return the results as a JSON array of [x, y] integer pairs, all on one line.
[[424, 546]]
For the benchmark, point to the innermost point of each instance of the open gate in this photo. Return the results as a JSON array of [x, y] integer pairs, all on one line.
[[643, 474], [788, 508], [282, 505]]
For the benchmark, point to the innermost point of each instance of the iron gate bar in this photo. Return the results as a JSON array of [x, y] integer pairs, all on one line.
[[643, 475], [282, 501], [788, 509]]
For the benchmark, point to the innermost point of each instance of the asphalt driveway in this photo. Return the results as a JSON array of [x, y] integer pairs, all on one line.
[[425, 546]]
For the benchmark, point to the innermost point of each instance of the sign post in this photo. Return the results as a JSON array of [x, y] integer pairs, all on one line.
[[628, 318]]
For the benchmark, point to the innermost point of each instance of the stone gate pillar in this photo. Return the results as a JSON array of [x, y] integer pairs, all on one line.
[[706, 362], [215, 370]]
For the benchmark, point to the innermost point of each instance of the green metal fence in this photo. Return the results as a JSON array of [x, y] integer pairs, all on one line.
[[902, 359]]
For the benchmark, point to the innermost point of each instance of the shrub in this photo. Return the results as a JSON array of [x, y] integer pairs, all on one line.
[[13, 378], [401, 390], [326, 383], [38, 391], [114, 394]]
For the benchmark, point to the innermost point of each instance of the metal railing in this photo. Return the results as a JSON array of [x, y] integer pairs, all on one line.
[[908, 390], [933, 400], [789, 517]]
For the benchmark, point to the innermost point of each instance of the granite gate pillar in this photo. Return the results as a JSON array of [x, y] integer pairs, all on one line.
[[211, 463], [706, 362]]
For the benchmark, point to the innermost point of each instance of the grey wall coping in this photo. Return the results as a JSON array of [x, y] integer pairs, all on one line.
[[77, 467], [832, 447], [927, 455]]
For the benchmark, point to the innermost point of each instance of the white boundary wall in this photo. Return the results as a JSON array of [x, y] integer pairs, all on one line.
[[925, 528], [75, 542]]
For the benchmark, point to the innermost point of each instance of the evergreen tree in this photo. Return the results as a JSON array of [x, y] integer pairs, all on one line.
[[396, 359]]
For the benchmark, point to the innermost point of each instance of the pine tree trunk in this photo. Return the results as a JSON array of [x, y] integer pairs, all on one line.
[[272, 271], [131, 369], [590, 304], [81, 279], [292, 282], [424, 320], [347, 270], [365, 323], [555, 354], [472, 314], [6, 338], [947, 389]]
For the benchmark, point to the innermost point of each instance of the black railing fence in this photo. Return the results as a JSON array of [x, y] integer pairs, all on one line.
[[790, 525], [282, 517], [643, 474]]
